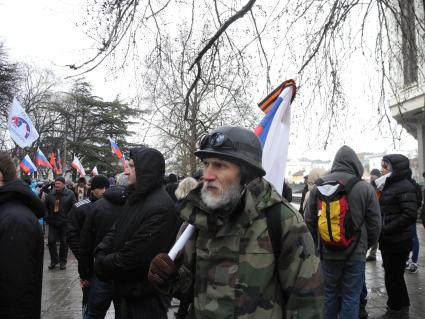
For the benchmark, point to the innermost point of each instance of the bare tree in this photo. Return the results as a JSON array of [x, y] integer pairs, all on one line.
[[308, 38]]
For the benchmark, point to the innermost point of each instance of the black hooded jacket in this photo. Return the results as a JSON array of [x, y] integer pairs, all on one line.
[[97, 223], [76, 217], [146, 227], [21, 251], [398, 206]]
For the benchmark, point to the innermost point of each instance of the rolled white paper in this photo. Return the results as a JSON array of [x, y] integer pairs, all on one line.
[[181, 241]]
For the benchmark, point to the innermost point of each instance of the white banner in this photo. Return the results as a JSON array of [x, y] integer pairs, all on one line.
[[20, 127]]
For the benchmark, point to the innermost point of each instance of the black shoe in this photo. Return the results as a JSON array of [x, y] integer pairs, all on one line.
[[62, 266], [52, 266]]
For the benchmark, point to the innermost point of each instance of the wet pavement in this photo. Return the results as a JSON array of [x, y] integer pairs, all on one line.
[[62, 294]]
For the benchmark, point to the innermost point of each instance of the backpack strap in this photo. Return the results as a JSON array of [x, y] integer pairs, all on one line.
[[274, 227], [349, 185]]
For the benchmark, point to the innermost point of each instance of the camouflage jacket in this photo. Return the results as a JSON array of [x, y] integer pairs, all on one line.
[[231, 266]]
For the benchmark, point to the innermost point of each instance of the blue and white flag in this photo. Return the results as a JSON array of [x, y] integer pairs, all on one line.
[[273, 132], [20, 127]]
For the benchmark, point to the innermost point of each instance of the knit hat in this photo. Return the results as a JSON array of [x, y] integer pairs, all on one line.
[[60, 179], [375, 172], [99, 181]]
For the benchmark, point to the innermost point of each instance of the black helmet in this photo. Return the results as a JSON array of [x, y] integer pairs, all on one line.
[[233, 143]]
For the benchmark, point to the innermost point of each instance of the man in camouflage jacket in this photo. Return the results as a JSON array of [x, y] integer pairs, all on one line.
[[229, 263]]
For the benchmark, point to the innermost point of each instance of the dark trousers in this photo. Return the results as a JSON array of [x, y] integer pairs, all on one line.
[[57, 233], [146, 308], [394, 266], [101, 293]]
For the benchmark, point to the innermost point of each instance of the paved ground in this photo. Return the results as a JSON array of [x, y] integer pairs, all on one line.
[[62, 294]]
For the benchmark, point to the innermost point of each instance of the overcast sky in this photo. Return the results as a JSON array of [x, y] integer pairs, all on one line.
[[44, 33]]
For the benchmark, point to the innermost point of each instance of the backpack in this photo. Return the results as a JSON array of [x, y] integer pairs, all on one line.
[[335, 224]]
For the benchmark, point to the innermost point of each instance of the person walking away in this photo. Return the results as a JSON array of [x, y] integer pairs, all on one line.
[[21, 245], [232, 265], [146, 227], [97, 224], [399, 210], [343, 248], [58, 204]]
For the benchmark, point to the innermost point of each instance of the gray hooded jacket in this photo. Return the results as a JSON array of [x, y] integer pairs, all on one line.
[[363, 204]]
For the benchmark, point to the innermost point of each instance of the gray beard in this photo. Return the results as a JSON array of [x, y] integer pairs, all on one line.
[[228, 197]]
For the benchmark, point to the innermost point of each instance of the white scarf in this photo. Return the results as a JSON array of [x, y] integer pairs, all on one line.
[[380, 181]]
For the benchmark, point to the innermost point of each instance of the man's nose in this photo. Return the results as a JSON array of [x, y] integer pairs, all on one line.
[[208, 175]]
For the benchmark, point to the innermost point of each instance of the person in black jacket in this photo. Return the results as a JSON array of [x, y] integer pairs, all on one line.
[[146, 227], [97, 224], [398, 208], [58, 204], [21, 245], [99, 184]]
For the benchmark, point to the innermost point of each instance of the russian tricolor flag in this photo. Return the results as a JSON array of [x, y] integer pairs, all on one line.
[[273, 132], [115, 148], [27, 165], [78, 166], [41, 160]]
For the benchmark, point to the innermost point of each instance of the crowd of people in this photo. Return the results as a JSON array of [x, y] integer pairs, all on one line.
[[252, 255]]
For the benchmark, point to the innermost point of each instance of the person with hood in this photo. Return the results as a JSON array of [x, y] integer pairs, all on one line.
[[21, 247], [232, 267], [97, 223], [344, 269], [146, 227], [399, 209], [58, 204]]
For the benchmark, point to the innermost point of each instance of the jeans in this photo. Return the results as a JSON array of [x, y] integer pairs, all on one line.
[[394, 266], [146, 308], [57, 233], [415, 244], [343, 279], [100, 295]]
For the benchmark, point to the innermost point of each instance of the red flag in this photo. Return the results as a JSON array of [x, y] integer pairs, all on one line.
[[52, 162], [59, 164]]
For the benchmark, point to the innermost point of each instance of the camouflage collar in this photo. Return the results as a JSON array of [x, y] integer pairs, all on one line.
[[258, 195]]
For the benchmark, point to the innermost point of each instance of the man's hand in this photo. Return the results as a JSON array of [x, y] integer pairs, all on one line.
[[84, 283], [162, 270]]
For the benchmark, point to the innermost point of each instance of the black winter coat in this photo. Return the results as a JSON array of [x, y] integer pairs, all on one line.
[[97, 224], [59, 219], [76, 218], [147, 227], [398, 206], [21, 252]]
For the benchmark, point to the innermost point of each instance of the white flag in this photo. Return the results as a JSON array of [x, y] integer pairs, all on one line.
[[77, 165], [275, 150], [20, 127]]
